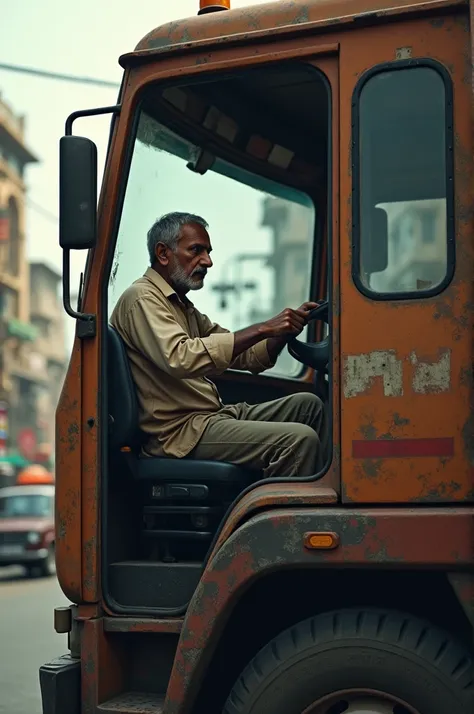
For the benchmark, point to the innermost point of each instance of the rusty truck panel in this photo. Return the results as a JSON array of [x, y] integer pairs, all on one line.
[[398, 494], [403, 396]]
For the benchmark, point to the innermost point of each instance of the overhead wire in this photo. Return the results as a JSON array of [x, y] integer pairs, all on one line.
[[42, 211], [58, 76], [55, 76]]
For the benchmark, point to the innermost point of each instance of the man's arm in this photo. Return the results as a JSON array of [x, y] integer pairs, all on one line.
[[150, 327], [257, 347], [277, 331], [275, 346]]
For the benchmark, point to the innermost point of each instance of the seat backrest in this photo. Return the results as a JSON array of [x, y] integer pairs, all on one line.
[[122, 395]]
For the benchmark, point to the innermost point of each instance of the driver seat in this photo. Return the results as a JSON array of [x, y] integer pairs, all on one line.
[[183, 500]]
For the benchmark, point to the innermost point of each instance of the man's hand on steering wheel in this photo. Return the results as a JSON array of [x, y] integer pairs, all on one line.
[[307, 308], [311, 307], [313, 354], [288, 323]]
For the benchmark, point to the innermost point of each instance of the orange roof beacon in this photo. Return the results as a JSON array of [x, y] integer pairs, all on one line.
[[329, 145]]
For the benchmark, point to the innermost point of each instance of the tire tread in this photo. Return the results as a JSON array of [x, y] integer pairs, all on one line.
[[427, 641]]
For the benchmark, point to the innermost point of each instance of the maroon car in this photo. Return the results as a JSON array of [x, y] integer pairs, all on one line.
[[27, 528]]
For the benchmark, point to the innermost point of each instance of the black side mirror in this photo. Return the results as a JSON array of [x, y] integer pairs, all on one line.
[[77, 193], [375, 244]]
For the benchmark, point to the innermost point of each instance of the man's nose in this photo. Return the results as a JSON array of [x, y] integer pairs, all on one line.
[[207, 262]]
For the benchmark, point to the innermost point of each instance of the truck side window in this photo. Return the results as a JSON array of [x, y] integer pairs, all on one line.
[[403, 217]]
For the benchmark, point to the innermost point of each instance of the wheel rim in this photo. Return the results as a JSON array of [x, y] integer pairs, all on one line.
[[360, 701]]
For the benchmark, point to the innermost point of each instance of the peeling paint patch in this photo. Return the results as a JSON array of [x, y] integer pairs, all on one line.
[[432, 377], [360, 371]]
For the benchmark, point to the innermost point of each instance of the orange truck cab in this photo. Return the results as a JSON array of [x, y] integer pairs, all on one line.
[[329, 146]]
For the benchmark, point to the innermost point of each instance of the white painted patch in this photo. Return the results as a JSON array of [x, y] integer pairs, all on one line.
[[432, 377], [360, 371], [403, 53]]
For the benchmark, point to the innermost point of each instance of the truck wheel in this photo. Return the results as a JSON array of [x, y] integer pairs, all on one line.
[[358, 661]]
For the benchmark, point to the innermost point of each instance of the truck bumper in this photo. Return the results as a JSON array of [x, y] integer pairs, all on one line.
[[60, 683]]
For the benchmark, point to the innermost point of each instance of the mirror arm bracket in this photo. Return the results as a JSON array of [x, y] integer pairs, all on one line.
[[114, 109], [86, 323]]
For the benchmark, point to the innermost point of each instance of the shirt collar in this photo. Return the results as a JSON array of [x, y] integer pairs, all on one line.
[[164, 287]]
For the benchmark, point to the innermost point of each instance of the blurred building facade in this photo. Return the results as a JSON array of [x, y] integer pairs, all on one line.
[[292, 229], [32, 350], [274, 278], [417, 255]]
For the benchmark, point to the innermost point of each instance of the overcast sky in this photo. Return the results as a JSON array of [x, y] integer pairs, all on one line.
[[86, 40]]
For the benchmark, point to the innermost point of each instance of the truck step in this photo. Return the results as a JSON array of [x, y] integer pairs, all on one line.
[[134, 703]]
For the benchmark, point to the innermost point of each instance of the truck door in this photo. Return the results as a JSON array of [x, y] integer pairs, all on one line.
[[406, 270]]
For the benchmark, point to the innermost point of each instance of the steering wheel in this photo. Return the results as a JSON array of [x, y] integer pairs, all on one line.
[[313, 354]]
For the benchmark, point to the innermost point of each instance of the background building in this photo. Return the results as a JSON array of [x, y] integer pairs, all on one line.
[[48, 352], [417, 254], [292, 229], [255, 286], [32, 352]]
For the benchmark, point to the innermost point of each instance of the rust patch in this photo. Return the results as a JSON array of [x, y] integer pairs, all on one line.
[[89, 552], [371, 467], [275, 495], [467, 432], [72, 436], [399, 420], [133, 624], [467, 435], [368, 430], [278, 18]]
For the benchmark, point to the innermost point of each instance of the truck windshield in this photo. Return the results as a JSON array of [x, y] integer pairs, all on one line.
[[262, 232], [25, 506]]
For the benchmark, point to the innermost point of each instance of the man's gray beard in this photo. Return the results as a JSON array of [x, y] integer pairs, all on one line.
[[183, 282]]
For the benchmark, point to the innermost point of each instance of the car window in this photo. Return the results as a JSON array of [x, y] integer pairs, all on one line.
[[26, 506]]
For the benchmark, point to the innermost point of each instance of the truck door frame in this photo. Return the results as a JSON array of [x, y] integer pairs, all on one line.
[[324, 56]]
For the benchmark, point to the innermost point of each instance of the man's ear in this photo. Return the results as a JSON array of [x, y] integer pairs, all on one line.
[[162, 254]]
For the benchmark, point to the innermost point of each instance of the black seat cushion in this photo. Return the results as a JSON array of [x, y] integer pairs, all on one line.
[[190, 471]]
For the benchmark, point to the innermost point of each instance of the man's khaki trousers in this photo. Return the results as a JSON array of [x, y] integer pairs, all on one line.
[[283, 438]]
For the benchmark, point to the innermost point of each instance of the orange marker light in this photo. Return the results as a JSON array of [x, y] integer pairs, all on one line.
[[206, 6], [321, 541]]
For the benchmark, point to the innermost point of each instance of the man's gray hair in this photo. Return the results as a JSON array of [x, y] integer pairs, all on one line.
[[167, 230]]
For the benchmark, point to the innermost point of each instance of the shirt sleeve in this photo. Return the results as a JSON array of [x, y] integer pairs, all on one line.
[[255, 360], [153, 331]]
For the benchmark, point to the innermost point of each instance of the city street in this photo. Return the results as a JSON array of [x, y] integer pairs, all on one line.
[[27, 638]]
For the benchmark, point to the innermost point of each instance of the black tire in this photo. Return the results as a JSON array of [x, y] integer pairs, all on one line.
[[379, 650], [31, 571], [48, 566]]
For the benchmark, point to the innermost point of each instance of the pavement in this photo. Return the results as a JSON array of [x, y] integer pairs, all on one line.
[[27, 638]]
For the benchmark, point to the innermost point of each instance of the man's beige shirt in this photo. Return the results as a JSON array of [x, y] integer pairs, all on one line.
[[173, 350]]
